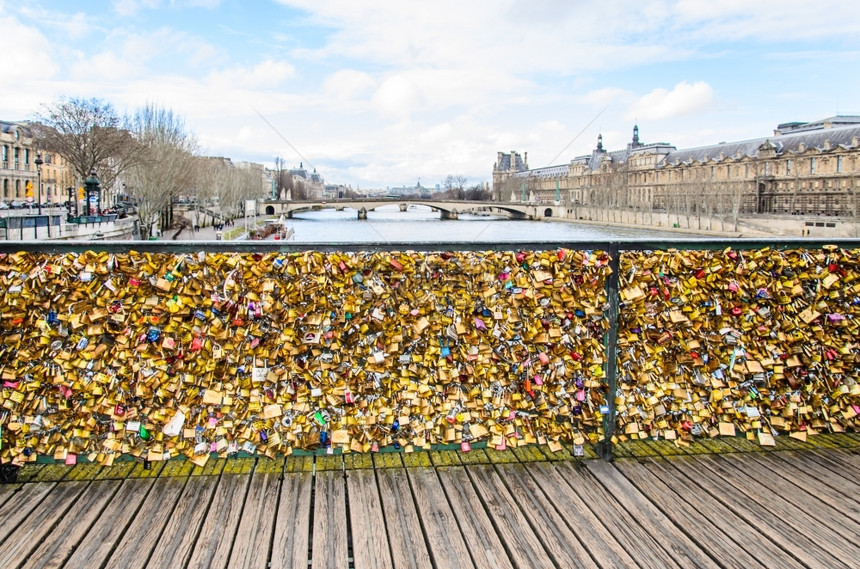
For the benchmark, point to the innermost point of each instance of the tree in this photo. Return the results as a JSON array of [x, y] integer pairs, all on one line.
[[283, 178], [478, 193], [454, 187], [90, 135], [165, 165]]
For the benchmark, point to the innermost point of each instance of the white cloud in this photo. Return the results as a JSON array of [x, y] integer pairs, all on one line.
[[267, 74], [605, 95], [131, 7], [684, 99], [398, 96], [347, 84], [32, 54]]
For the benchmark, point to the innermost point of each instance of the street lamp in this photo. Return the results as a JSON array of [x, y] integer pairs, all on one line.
[[39, 163]]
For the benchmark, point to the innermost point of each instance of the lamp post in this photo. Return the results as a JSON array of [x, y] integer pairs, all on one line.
[[39, 163], [93, 194], [69, 203]]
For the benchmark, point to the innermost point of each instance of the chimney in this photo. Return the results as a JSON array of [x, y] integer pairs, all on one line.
[[513, 160], [526, 160], [499, 160]]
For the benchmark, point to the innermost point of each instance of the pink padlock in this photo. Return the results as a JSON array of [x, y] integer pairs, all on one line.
[[465, 447], [544, 359]]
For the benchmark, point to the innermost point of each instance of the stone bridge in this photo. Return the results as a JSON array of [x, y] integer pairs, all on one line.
[[448, 209]]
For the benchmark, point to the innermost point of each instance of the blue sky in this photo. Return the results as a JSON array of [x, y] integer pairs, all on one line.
[[382, 93]]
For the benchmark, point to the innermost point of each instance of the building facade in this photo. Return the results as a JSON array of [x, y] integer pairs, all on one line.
[[18, 168], [802, 169]]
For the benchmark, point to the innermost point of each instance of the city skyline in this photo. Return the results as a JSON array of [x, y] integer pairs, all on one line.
[[379, 94]]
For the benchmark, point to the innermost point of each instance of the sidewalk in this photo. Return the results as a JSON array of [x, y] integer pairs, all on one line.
[[202, 234]]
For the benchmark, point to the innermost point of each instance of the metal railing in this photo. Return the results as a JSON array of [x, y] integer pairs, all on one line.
[[626, 258]]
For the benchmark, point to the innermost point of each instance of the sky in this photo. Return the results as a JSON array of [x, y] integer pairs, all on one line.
[[387, 93]]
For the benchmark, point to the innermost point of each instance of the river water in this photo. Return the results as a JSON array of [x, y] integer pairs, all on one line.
[[421, 224]]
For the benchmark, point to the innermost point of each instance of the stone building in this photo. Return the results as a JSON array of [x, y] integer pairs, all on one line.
[[802, 169], [18, 167]]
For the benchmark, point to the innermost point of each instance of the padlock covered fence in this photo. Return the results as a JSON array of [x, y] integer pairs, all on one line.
[[158, 351]]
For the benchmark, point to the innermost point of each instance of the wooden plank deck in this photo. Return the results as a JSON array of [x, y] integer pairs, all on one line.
[[658, 505]]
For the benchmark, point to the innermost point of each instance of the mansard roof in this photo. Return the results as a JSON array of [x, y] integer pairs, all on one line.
[[546, 172], [792, 143], [505, 162]]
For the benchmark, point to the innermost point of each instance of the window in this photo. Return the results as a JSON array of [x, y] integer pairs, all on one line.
[[812, 165], [712, 172], [839, 164], [767, 168], [788, 167]]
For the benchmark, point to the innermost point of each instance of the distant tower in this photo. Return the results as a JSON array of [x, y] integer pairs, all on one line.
[[600, 143], [635, 135]]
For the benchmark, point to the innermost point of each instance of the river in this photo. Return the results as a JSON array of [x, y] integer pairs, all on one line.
[[421, 224]]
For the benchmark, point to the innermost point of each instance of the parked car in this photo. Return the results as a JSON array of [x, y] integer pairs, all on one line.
[[18, 205], [4, 205]]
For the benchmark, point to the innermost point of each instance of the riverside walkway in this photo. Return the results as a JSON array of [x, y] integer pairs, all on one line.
[[657, 505]]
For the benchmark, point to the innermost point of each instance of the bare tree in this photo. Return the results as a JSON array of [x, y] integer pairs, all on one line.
[[165, 167], [90, 135], [478, 193]]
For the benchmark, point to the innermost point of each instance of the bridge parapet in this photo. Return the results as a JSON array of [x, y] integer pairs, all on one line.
[[193, 348]]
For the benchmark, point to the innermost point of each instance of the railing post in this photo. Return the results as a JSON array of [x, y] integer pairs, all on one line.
[[612, 294]]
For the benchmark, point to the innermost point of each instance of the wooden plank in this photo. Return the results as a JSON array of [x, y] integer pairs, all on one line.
[[212, 548], [564, 453], [710, 507], [178, 539], [485, 547], [354, 461], [832, 476], [688, 517], [790, 477], [602, 546], [632, 535], [330, 541], [29, 532], [416, 459], [52, 473], [797, 508], [292, 526], [58, 545], [557, 538], [29, 472], [444, 540], [837, 459], [18, 506], [501, 456], [519, 539], [7, 491], [801, 543], [401, 520], [683, 550], [114, 519], [445, 457], [475, 456], [387, 460], [254, 535], [369, 546], [117, 471], [139, 539]]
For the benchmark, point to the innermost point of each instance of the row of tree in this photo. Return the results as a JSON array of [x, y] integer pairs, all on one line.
[[455, 189], [151, 154]]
